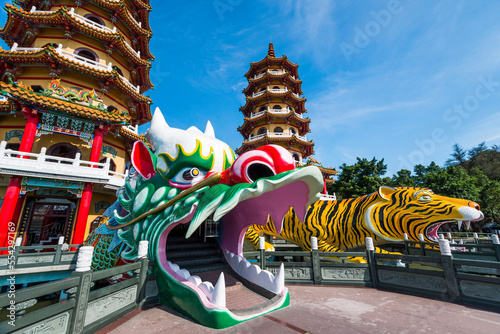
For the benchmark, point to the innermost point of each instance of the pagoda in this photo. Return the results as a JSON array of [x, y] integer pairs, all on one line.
[[274, 111], [71, 98]]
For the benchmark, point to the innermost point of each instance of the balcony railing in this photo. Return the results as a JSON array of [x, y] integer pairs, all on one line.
[[327, 197], [259, 76], [272, 90], [276, 135], [15, 47], [136, 88], [132, 17], [51, 167], [276, 72], [138, 53], [34, 10], [83, 60], [273, 111], [134, 129], [90, 22]]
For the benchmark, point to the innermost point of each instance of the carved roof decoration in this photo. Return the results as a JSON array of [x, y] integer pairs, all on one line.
[[290, 118], [251, 102], [49, 55], [307, 146], [22, 95], [17, 17], [268, 76]]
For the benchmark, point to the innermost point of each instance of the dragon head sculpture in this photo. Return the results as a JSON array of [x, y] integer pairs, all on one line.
[[192, 177]]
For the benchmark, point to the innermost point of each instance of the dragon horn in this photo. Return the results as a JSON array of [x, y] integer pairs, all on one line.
[[209, 130]]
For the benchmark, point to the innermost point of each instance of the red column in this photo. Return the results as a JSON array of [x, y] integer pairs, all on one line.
[[12, 195], [83, 210]]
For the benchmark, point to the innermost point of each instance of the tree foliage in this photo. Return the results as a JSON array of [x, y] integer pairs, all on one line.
[[472, 175]]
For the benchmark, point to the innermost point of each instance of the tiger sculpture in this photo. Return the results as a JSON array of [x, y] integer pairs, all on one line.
[[384, 216]]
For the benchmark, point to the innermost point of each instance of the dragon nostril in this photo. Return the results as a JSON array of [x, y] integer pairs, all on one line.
[[258, 170]]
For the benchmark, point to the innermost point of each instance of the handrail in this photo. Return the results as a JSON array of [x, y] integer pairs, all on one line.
[[135, 88], [92, 23], [83, 60], [276, 134]]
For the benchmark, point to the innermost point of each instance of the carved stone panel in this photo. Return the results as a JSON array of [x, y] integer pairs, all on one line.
[[295, 273], [106, 305], [425, 282], [55, 325], [68, 257], [341, 274], [35, 259], [480, 290]]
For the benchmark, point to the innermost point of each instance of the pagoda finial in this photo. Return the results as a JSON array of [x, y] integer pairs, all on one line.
[[270, 52]]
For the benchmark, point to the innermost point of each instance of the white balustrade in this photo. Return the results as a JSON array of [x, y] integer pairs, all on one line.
[[258, 93], [259, 76], [83, 60], [276, 72], [137, 53], [90, 22], [34, 10], [15, 47], [281, 90], [136, 88], [133, 19], [297, 95], [52, 167], [134, 129], [327, 197], [277, 135]]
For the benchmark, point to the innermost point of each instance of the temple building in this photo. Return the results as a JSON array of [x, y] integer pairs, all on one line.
[[71, 101], [274, 111]]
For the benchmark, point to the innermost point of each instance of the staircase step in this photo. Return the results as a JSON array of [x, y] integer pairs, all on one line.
[[190, 246], [202, 268], [193, 253], [199, 260]]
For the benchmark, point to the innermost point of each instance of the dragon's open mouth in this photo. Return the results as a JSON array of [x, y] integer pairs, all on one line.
[[237, 207]]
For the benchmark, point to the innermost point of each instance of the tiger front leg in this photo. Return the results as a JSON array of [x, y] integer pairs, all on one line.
[[390, 262]]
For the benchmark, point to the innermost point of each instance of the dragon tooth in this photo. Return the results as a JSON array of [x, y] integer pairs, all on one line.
[[207, 289], [184, 273], [279, 281], [174, 266], [219, 292], [459, 225], [467, 224], [196, 280], [265, 279], [202, 214]]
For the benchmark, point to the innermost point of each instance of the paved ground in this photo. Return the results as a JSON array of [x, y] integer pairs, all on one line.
[[331, 310]]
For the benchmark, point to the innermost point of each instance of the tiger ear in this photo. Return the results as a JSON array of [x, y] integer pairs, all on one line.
[[386, 192]]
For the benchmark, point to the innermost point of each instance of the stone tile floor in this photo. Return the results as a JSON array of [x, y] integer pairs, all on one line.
[[331, 310]]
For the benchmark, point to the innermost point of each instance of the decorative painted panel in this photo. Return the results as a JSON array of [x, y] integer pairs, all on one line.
[[101, 205], [109, 149], [14, 134]]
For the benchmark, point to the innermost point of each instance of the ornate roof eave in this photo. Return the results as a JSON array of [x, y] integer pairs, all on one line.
[[272, 116], [268, 60], [24, 96], [63, 17], [268, 139], [129, 135], [119, 7], [48, 54], [249, 104], [269, 95]]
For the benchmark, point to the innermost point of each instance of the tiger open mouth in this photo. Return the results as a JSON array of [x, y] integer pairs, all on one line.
[[431, 232], [236, 208]]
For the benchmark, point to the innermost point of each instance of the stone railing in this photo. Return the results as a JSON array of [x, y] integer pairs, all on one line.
[[90, 22], [15, 47], [276, 135], [83, 60], [135, 88], [51, 167]]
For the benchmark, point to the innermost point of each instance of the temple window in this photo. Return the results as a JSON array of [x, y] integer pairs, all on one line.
[[277, 106], [296, 157], [95, 19], [292, 131], [37, 88], [276, 87], [262, 131], [263, 108], [278, 129], [87, 53], [112, 108]]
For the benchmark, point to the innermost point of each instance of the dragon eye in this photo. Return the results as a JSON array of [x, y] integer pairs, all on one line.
[[425, 198], [188, 176]]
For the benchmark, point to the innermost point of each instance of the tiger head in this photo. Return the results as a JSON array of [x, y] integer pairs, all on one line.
[[416, 211]]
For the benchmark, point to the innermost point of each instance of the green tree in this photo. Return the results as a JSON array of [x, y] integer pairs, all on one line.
[[364, 177], [403, 178], [458, 156]]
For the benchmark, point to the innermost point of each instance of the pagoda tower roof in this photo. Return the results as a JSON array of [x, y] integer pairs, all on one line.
[[271, 59]]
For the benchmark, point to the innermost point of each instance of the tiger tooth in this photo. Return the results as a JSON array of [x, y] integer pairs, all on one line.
[[219, 292], [279, 281], [467, 224], [459, 225]]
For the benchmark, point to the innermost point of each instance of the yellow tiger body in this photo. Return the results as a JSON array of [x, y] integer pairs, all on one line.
[[384, 216]]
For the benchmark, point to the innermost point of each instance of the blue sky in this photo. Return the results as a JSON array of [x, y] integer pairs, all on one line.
[[400, 80]]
